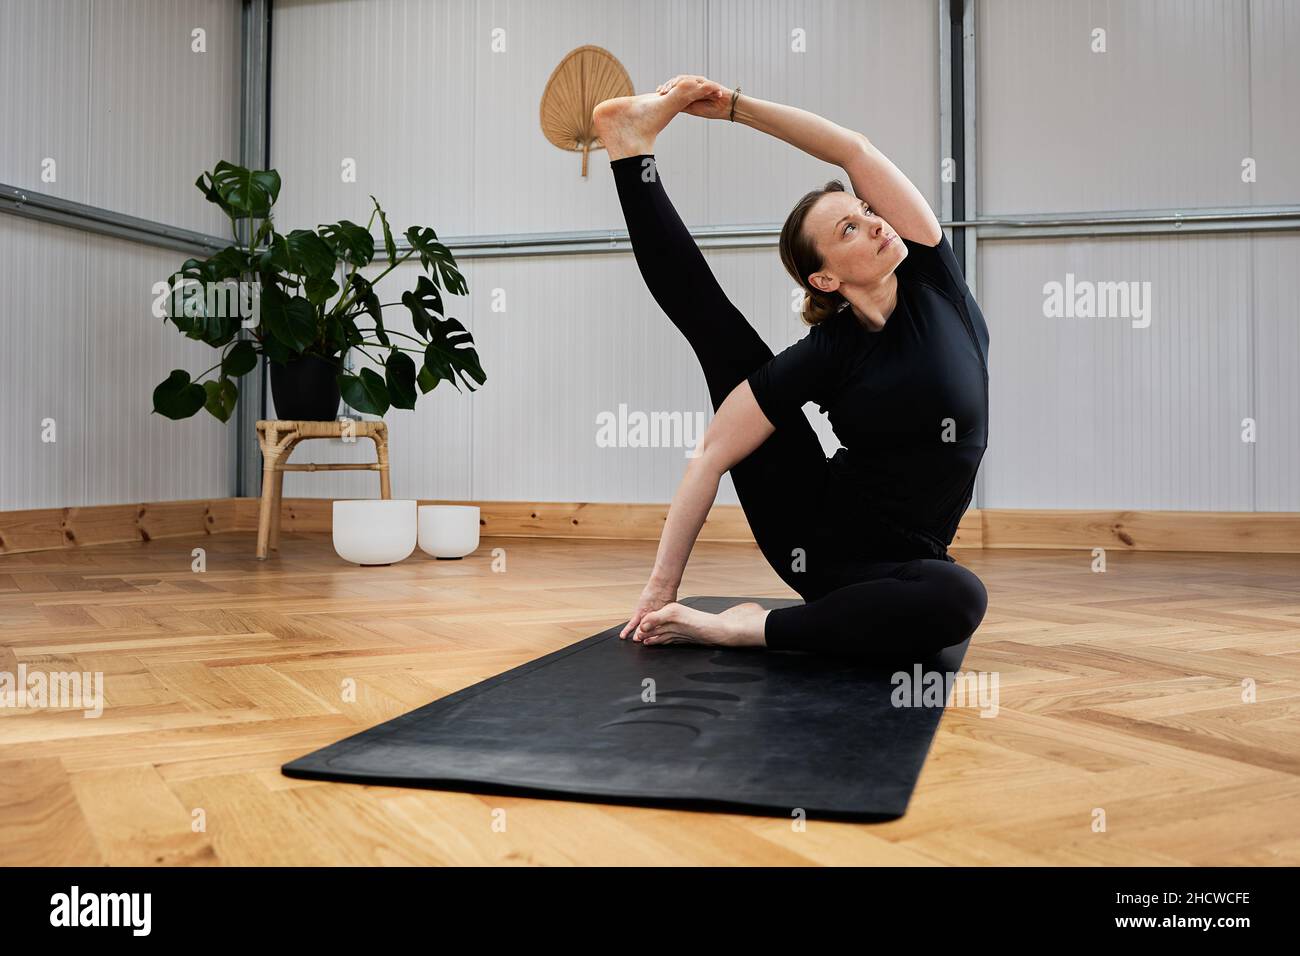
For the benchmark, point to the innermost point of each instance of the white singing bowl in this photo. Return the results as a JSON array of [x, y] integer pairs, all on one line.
[[449, 531], [374, 531]]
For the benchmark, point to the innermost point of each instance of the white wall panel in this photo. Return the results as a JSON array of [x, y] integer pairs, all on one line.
[[1162, 119], [84, 350], [581, 335], [387, 85], [161, 113], [1095, 413], [43, 359], [454, 141], [869, 65], [133, 454], [1277, 373], [44, 112], [111, 91], [1275, 100], [522, 183]]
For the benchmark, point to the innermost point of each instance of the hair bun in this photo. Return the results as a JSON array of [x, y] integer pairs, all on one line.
[[819, 306]]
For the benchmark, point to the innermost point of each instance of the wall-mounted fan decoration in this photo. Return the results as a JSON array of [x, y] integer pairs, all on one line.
[[584, 78]]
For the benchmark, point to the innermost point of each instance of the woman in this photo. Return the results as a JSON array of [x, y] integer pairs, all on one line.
[[896, 357]]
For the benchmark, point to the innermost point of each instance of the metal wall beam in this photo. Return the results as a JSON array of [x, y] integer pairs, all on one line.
[[254, 153], [945, 111], [969, 174], [1159, 221], [64, 212], [45, 208], [969, 171], [954, 74]]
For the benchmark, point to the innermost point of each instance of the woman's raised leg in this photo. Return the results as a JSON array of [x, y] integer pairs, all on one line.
[[680, 280], [780, 484], [674, 269]]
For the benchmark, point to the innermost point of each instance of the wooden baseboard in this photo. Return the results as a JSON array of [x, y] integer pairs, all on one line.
[[49, 529], [1276, 532], [564, 519], [1222, 531], [533, 519]]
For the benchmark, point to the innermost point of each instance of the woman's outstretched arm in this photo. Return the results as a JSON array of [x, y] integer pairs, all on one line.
[[874, 177], [877, 180], [737, 429], [815, 135]]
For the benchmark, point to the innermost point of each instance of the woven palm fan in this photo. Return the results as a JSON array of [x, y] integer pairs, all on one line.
[[585, 77]]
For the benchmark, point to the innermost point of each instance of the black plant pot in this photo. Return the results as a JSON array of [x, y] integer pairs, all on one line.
[[306, 389]]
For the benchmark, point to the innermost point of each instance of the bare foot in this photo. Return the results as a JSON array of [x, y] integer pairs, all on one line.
[[739, 626], [628, 125]]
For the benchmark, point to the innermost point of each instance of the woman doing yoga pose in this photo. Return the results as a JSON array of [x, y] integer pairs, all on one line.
[[896, 357]]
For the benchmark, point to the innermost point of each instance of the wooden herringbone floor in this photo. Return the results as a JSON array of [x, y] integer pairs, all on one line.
[[1120, 694]]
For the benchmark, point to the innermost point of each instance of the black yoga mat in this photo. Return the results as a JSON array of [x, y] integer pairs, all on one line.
[[751, 731]]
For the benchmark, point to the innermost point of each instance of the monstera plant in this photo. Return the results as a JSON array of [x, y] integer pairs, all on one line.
[[305, 301]]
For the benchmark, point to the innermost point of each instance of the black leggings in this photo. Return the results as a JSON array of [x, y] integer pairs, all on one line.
[[872, 608]]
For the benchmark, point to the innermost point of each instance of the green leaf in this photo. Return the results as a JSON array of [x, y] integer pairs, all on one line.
[[221, 398], [365, 392], [320, 289], [425, 380], [311, 253], [340, 334], [290, 319], [285, 283], [301, 252], [178, 397], [277, 351], [436, 259], [399, 373], [369, 304], [390, 247], [230, 263], [276, 256], [241, 192], [350, 242], [451, 351], [240, 360], [179, 288], [215, 322], [425, 303], [212, 194], [263, 231]]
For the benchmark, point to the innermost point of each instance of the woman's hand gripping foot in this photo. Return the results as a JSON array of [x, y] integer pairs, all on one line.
[[711, 100]]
